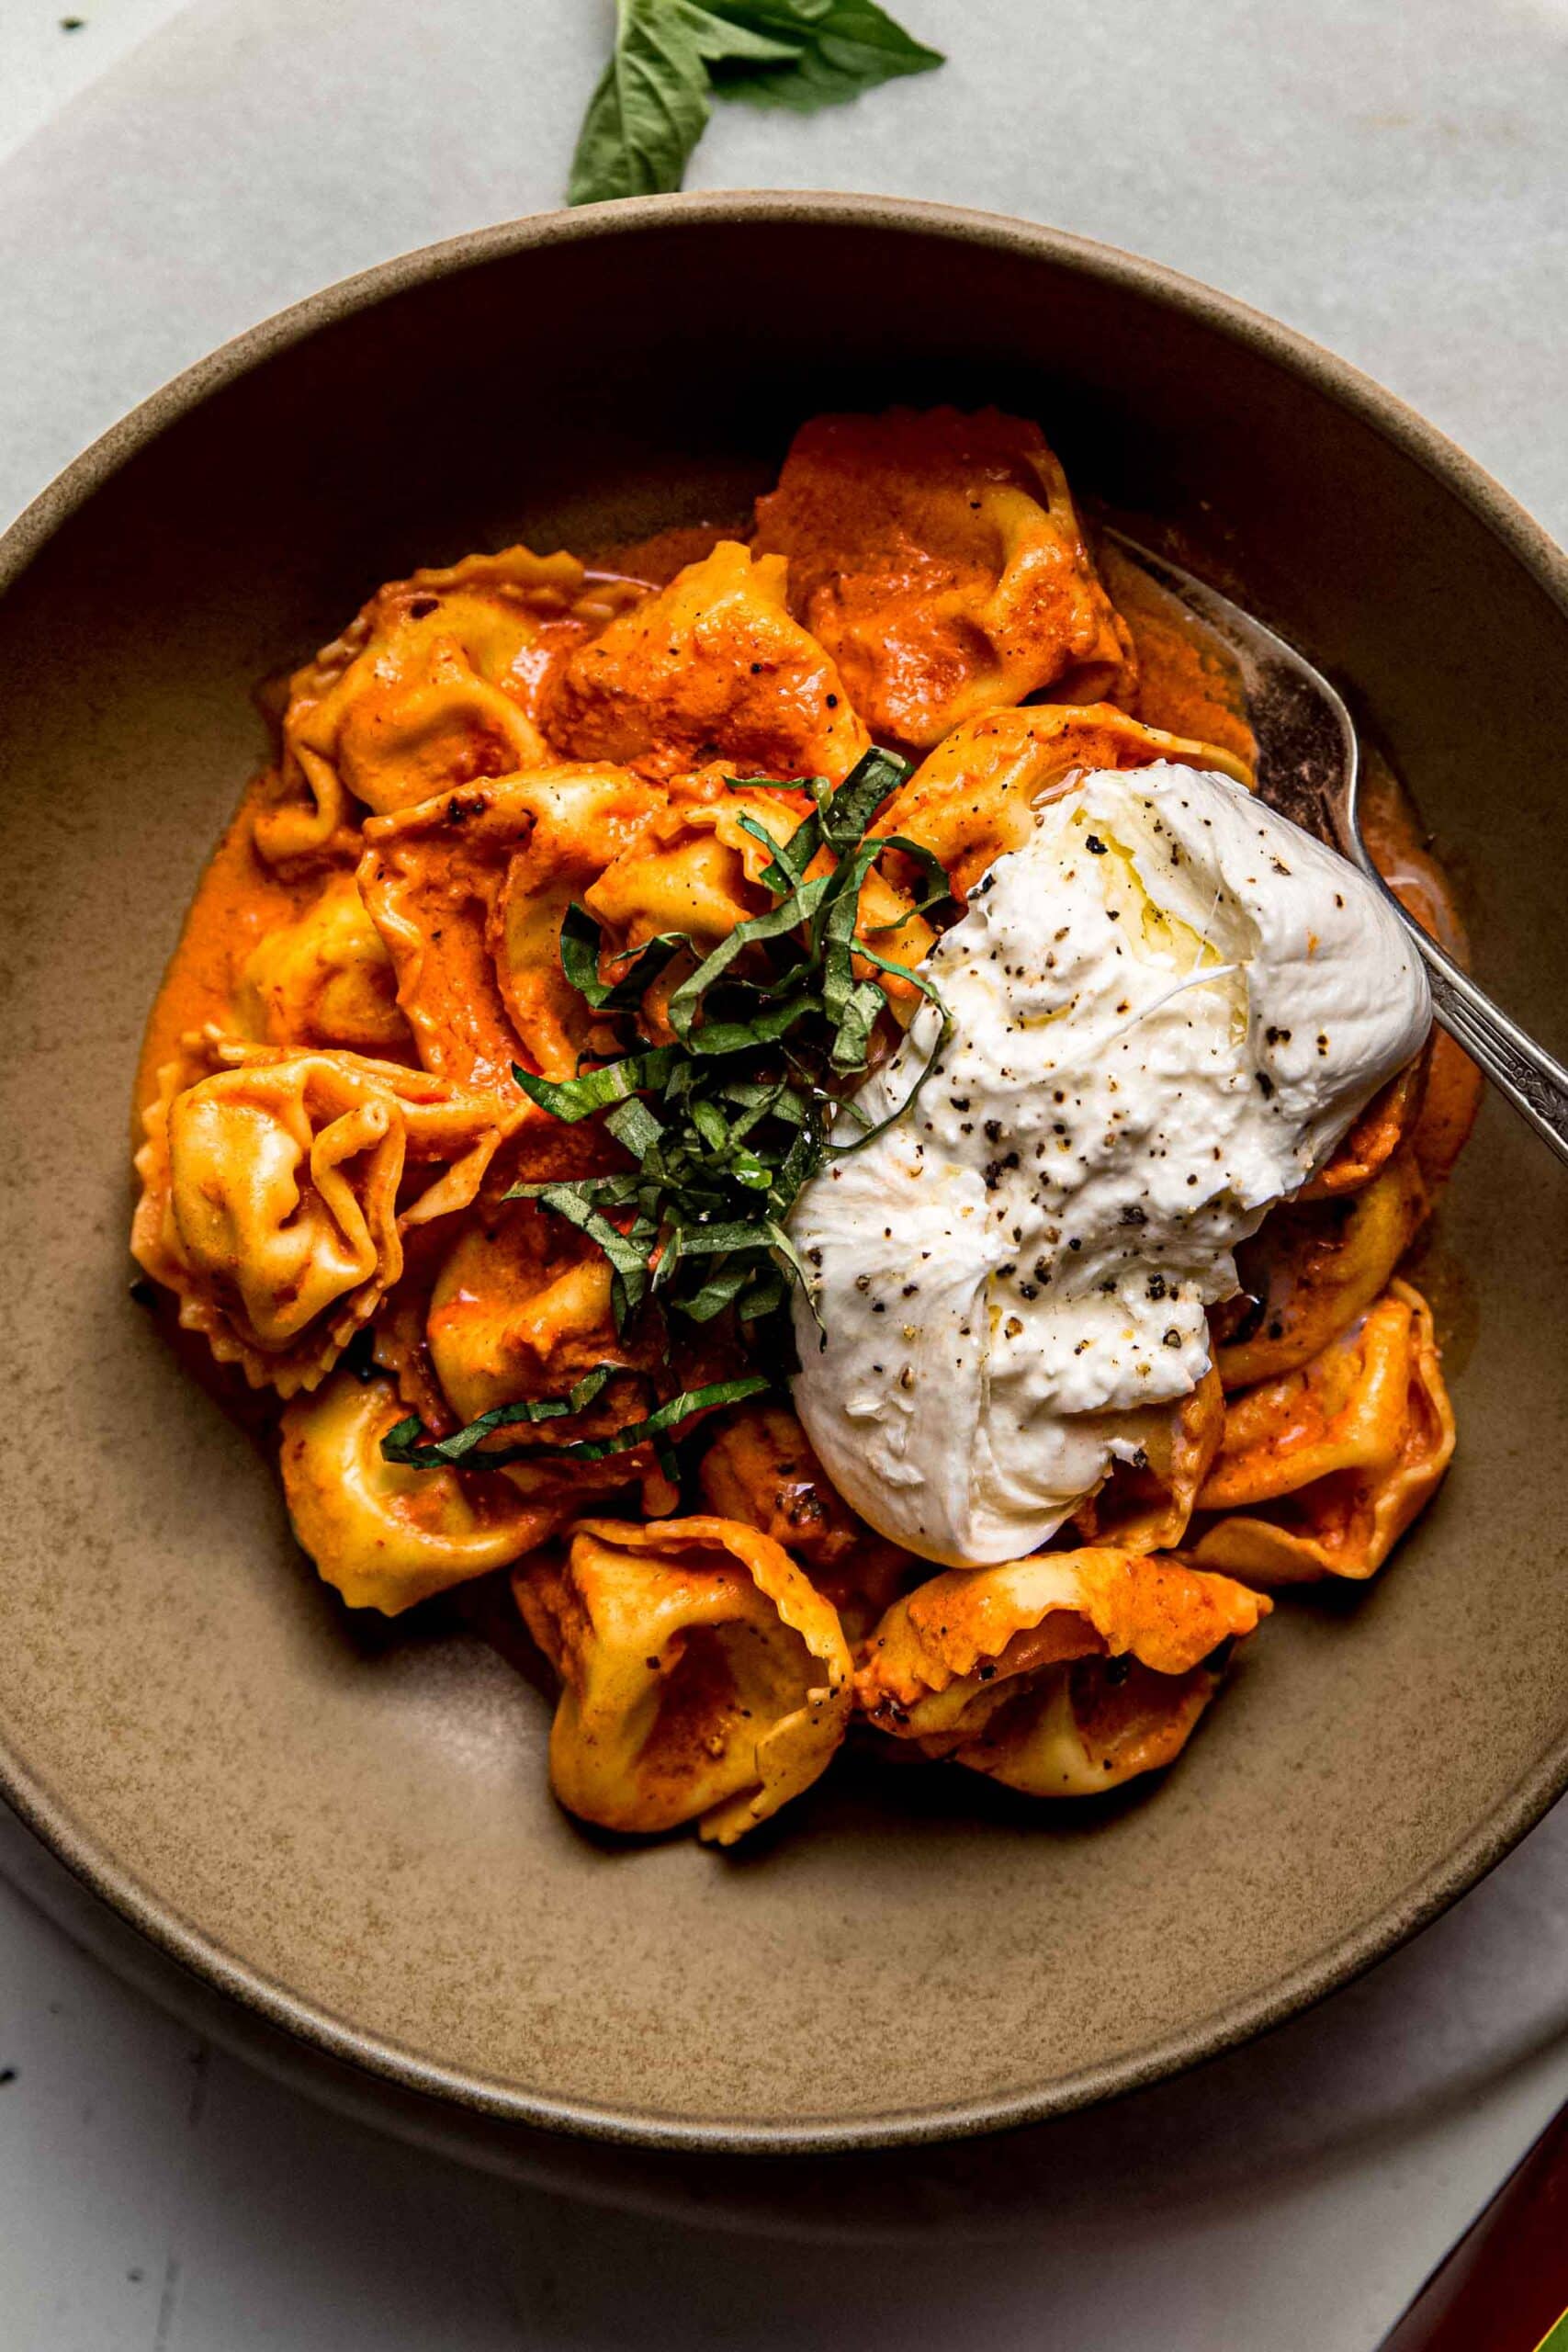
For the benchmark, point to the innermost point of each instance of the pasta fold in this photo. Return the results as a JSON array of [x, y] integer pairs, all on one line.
[[1390, 1118], [468, 891], [939, 559], [977, 795], [324, 980], [272, 1200], [1313, 1267], [389, 1537], [1062, 1675], [1145, 1504], [1323, 1469], [430, 687], [760, 1469], [696, 868], [521, 1310], [713, 667], [702, 1676]]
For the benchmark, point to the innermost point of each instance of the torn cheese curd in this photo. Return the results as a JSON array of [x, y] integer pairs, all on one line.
[[1167, 1008]]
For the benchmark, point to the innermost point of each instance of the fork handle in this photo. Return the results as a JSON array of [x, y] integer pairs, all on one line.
[[1534, 1083]]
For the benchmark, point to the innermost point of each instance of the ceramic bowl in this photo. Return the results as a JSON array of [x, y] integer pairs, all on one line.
[[348, 1826]]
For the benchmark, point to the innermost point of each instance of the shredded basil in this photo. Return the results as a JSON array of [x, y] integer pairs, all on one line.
[[727, 1124], [408, 1443], [581, 942], [573, 1098]]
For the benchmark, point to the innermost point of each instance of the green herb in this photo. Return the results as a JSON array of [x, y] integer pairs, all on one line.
[[729, 1122], [725, 1124], [573, 1098], [847, 47], [629, 1250], [581, 941], [651, 105], [409, 1445]]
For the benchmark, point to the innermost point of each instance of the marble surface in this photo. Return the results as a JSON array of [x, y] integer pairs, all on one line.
[[1387, 178]]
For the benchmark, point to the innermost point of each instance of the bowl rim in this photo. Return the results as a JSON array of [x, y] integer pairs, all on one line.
[[1297, 1989]]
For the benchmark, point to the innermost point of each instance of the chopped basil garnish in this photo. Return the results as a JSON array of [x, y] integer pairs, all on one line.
[[408, 1443], [727, 1124]]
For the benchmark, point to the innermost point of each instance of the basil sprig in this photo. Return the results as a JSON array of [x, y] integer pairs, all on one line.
[[670, 56]]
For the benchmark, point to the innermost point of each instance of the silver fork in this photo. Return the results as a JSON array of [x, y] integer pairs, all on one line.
[[1309, 768]]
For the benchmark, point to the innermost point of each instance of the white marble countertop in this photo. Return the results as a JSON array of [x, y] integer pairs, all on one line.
[[1387, 177]]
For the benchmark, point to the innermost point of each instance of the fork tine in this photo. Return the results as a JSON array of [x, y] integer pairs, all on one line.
[[1308, 756]]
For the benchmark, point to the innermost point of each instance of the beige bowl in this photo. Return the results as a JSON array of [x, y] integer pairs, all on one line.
[[348, 1827]]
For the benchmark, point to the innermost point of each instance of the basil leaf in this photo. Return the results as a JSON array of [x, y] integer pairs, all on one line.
[[573, 1098], [787, 866], [581, 941], [409, 1445], [836, 930], [802, 1159], [792, 1258], [713, 1240], [668, 1417], [764, 1296], [711, 1125], [628, 1252], [720, 1290], [848, 814], [734, 1036], [852, 1041], [651, 105], [797, 907], [850, 46], [939, 890], [403, 1444], [606, 1191], [758, 1102], [634, 1127], [870, 1134]]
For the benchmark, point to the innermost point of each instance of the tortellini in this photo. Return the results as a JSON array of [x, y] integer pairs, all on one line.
[[939, 559], [521, 1309], [1145, 1503], [468, 892], [273, 1194], [431, 688], [711, 668], [976, 797], [1322, 1469], [325, 979], [696, 868], [387, 1536], [760, 1469], [702, 1676], [1313, 1267], [1062, 1675], [341, 1169], [1390, 1118]]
